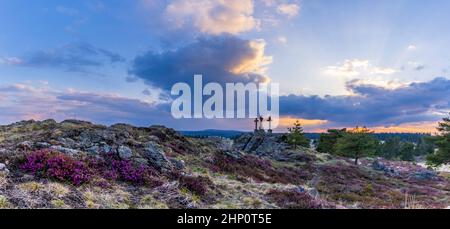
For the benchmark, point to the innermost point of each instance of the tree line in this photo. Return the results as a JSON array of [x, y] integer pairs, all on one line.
[[360, 142]]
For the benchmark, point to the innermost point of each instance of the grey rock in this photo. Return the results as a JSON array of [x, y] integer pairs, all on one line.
[[125, 152], [67, 142], [425, 175], [93, 150], [2, 167], [379, 166], [177, 164], [153, 138], [105, 148], [25, 145], [234, 154], [156, 156], [65, 150], [43, 145]]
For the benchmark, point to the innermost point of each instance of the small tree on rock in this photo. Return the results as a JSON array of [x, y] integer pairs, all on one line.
[[296, 137]]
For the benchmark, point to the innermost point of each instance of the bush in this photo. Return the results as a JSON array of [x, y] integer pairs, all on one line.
[[197, 185], [57, 166], [259, 169], [113, 168], [291, 199]]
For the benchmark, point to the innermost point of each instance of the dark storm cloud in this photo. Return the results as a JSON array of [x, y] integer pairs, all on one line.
[[216, 58], [374, 105], [76, 57]]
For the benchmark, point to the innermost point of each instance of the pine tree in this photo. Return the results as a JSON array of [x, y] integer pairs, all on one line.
[[296, 137], [442, 141], [357, 143], [327, 141]]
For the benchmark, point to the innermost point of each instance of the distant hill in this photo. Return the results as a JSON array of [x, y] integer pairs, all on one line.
[[213, 133], [409, 137]]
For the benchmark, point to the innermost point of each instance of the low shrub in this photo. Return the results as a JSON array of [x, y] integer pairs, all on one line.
[[57, 166], [292, 199], [259, 169], [197, 185]]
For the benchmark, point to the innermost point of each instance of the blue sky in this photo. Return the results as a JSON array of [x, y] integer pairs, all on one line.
[[382, 63]]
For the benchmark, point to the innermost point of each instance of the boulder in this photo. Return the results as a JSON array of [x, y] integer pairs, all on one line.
[[177, 164], [43, 145], [93, 150], [425, 175], [26, 145], [125, 152], [2, 167], [65, 150], [156, 156]]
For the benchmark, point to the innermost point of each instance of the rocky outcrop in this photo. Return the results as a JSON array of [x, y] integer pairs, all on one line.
[[270, 145], [74, 138]]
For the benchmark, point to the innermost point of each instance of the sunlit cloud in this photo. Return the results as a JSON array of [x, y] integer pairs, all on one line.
[[356, 67], [289, 10], [411, 47], [213, 16]]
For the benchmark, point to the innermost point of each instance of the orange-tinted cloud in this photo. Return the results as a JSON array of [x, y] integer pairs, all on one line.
[[289, 121], [418, 127]]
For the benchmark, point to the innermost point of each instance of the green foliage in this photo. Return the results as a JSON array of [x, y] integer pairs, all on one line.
[[395, 148], [296, 137], [327, 141], [407, 151], [442, 141], [357, 143]]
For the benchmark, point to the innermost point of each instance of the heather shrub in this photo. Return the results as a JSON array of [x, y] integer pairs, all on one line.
[[56, 166], [197, 185], [291, 199], [113, 168], [259, 169]]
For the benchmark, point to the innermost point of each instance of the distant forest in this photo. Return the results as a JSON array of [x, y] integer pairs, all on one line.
[[407, 137]]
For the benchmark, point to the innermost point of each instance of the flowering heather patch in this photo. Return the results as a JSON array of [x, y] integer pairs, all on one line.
[[57, 166], [113, 168]]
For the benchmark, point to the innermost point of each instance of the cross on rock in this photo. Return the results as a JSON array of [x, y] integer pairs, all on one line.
[[261, 120], [270, 124]]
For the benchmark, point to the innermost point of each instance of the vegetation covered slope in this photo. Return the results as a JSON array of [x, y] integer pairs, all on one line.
[[75, 164]]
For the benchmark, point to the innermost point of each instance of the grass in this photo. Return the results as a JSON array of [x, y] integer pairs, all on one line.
[[4, 203]]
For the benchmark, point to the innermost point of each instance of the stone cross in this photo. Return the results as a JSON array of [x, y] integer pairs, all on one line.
[[256, 123], [261, 120], [270, 123]]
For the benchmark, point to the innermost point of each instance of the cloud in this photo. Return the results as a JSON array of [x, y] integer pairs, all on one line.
[[356, 67], [213, 16], [411, 47], [222, 59], [67, 11], [416, 65], [77, 57], [10, 61], [373, 105], [282, 40], [23, 102], [289, 10]]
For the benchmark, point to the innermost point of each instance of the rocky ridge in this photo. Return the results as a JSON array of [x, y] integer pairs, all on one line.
[[256, 170]]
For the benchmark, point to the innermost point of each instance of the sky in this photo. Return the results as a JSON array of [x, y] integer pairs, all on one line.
[[379, 63]]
